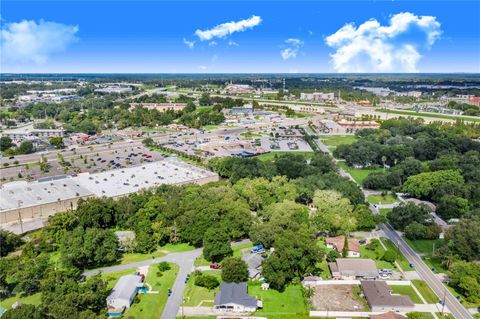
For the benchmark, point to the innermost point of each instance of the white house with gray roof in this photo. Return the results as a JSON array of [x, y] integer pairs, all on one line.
[[234, 298], [122, 295]]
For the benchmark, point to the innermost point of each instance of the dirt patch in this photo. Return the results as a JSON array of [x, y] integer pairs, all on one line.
[[336, 298]]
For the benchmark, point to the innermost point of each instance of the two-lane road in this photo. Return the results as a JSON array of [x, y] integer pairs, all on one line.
[[455, 307]]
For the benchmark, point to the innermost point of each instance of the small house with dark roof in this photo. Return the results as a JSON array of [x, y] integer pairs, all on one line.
[[379, 297], [234, 298]]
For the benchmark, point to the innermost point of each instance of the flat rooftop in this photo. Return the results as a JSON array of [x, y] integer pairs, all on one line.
[[27, 194], [124, 181], [110, 183]]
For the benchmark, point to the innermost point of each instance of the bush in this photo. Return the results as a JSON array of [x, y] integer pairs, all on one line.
[[390, 256], [207, 281], [373, 245], [332, 255], [164, 266]]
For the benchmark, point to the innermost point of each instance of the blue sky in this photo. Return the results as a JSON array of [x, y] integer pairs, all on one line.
[[286, 36]]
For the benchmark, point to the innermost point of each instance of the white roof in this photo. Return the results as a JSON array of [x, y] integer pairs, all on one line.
[[23, 194], [129, 180], [125, 288], [110, 183]]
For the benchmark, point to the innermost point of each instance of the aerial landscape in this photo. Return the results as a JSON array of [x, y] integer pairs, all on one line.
[[239, 159]]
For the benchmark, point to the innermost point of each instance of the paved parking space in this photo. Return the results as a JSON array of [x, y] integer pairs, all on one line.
[[93, 162], [293, 144]]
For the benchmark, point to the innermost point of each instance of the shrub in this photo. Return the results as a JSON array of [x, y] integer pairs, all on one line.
[[207, 281], [390, 256]]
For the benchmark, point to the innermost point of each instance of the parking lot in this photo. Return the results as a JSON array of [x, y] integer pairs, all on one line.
[[93, 162], [336, 298], [292, 144]]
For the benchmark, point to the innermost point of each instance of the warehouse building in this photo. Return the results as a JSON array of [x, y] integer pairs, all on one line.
[[28, 201]]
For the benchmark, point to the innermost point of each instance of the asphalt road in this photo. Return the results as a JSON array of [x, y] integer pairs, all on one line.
[[456, 308], [184, 260]]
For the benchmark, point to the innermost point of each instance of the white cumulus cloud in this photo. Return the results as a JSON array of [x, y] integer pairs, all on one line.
[[371, 47], [225, 29], [189, 44], [31, 41], [292, 50]]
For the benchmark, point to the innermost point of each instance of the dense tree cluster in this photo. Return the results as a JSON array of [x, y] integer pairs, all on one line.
[[435, 162]]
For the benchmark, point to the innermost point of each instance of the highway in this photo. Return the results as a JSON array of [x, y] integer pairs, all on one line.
[[455, 307]]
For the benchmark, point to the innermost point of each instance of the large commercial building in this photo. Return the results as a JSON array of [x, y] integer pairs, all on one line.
[[161, 107], [316, 96], [22, 202]]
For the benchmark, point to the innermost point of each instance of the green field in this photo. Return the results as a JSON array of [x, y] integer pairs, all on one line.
[[382, 200], [271, 156], [424, 315], [335, 140], [151, 306], [385, 211], [358, 174], [426, 291], [195, 295], [287, 304], [237, 249], [406, 291], [34, 299], [160, 252], [425, 246], [377, 256], [439, 116]]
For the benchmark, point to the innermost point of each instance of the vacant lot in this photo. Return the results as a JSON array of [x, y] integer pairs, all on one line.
[[336, 140], [382, 200], [336, 298], [359, 174]]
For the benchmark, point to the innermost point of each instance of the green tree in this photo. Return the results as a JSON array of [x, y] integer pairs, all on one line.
[[23, 311], [148, 141], [415, 231], [333, 212], [216, 244], [405, 214], [464, 239], [8, 242], [234, 269], [5, 143], [26, 147], [430, 184], [451, 206], [295, 255], [207, 281], [57, 142]]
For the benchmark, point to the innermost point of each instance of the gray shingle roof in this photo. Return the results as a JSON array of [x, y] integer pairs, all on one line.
[[125, 287], [378, 294], [234, 293]]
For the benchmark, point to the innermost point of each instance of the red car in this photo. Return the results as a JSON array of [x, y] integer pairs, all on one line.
[[215, 266]]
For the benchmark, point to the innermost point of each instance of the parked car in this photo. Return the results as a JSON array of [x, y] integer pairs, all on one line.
[[215, 266]]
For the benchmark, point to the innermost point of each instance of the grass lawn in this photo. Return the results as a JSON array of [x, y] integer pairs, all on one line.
[[402, 261], [406, 291], [359, 174], [426, 291], [335, 140], [377, 256], [425, 246], [271, 156], [435, 263], [439, 116], [287, 304], [160, 252], [385, 211], [30, 300], [382, 200], [113, 277], [445, 315], [210, 127], [425, 315], [152, 305], [237, 249], [194, 295]]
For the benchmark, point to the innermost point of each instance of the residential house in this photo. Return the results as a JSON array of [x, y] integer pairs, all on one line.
[[388, 315], [338, 243], [344, 269], [122, 295], [379, 297], [234, 298]]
